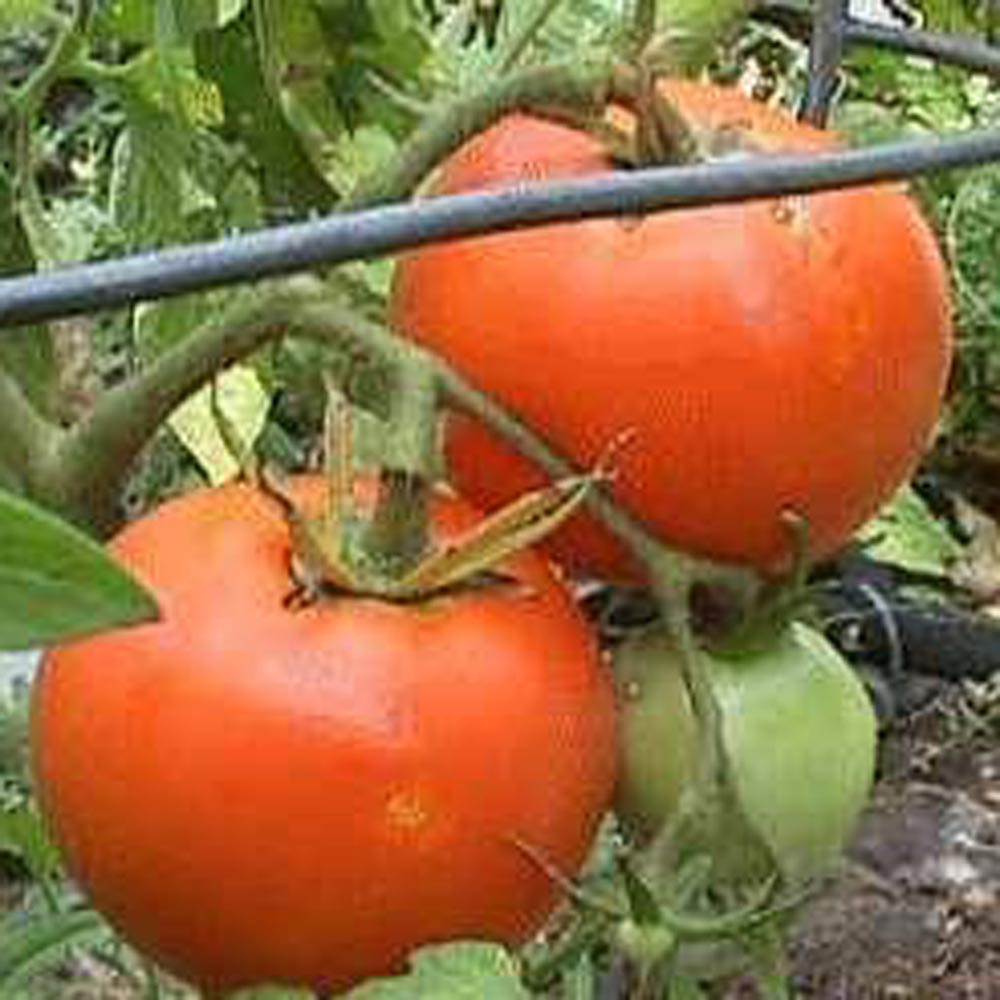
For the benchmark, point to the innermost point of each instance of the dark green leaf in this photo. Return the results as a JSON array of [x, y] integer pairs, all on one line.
[[56, 583], [22, 833], [290, 180]]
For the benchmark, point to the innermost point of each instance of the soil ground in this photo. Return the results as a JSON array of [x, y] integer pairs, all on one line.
[[915, 915]]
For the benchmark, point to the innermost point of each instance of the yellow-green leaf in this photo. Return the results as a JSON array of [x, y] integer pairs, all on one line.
[[244, 403]]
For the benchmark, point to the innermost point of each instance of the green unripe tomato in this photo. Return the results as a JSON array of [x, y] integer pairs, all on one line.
[[798, 729]]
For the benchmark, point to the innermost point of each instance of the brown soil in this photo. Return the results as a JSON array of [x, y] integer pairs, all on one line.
[[915, 914]]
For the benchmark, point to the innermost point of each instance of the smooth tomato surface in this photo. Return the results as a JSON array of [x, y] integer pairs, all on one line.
[[783, 353], [257, 794]]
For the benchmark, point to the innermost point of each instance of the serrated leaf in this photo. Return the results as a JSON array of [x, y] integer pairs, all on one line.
[[908, 535], [464, 970], [243, 400], [56, 583]]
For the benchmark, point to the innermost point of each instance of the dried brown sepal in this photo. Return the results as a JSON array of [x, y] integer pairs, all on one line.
[[519, 524]]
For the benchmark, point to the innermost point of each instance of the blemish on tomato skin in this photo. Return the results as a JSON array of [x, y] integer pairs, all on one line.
[[406, 810], [793, 211]]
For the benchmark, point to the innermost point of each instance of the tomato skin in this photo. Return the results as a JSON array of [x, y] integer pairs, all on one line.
[[799, 732], [255, 794], [783, 353]]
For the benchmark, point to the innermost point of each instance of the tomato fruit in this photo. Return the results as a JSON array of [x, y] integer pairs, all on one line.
[[797, 726], [255, 793], [781, 353]]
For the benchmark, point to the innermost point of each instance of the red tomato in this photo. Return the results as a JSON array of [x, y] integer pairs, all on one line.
[[255, 794], [783, 353]]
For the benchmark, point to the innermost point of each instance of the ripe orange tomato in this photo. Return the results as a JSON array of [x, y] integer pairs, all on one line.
[[252, 793], [782, 353]]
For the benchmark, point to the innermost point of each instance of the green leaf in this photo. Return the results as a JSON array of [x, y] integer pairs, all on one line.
[[178, 21], [23, 15], [464, 970], [906, 534], [289, 178], [22, 833], [158, 326], [27, 948], [243, 401], [56, 583]]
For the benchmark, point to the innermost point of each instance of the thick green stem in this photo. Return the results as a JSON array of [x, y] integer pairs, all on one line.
[[84, 475], [573, 85], [26, 437]]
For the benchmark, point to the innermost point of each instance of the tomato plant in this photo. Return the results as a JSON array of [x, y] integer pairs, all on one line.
[[797, 727], [780, 353], [253, 792]]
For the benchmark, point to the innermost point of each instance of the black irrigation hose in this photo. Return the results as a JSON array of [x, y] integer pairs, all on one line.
[[373, 232], [868, 614]]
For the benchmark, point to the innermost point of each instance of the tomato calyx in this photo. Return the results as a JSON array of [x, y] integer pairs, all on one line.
[[384, 552], [760, 624]]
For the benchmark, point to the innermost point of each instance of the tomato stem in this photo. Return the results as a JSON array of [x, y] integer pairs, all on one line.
[[397, 534], [643, 26], [409, 458], [663, 135], [581, 85]]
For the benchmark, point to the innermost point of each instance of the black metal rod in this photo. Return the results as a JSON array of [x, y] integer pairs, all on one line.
[[379, 231], [966, 53], [963, 52], [826, 52]]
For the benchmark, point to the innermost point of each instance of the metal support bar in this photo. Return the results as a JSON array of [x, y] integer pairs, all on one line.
[[826, 51], [375, 232], [965, 53]]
